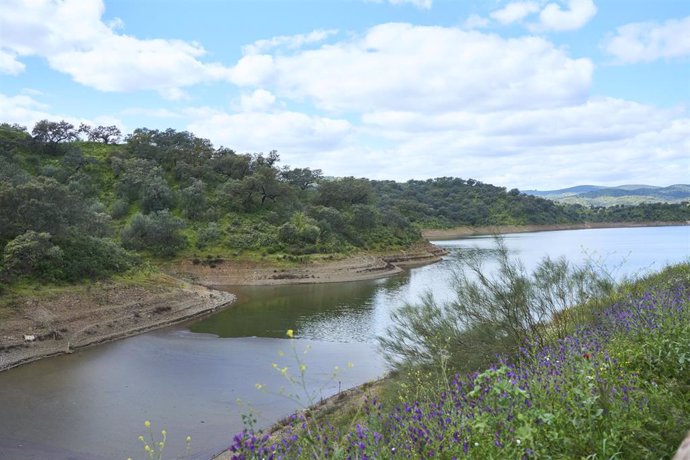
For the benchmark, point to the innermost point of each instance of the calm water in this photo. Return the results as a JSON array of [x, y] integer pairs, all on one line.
[[187, 379]]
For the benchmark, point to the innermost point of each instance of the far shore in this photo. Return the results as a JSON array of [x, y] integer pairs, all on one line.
[[225, 274], [460, 232]]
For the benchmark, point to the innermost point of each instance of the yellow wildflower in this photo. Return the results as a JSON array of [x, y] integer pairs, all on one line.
[[290, 333]]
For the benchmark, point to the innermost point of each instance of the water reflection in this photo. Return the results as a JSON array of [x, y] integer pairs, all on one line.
[[338, 312]]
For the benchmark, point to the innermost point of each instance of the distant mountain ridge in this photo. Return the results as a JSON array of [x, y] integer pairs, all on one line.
[[629, 194]]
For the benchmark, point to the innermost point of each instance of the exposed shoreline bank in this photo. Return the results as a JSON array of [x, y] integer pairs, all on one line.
[[225, 274], [460, 232], [65, 322]]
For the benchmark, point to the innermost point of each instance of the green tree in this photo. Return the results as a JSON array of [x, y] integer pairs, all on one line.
[[344, 192], [156, 195], [158, 232], [54, 132], [32, 253]]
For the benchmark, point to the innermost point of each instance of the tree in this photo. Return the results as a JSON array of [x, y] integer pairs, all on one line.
[[54, 132], [193, 200], [156, 195], [301, 230], [158, 232], [303, 178], [41, 205], [345, 192], [31, 253], [106, 134]]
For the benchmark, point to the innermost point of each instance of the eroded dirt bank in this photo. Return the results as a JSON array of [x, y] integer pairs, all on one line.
[[459, 232], [36, 327], [355, 268]]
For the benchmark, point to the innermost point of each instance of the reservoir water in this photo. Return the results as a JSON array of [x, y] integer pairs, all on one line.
[[198, 379]]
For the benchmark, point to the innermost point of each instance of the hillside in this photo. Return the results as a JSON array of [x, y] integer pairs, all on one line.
[[73, 209], [632, 194]]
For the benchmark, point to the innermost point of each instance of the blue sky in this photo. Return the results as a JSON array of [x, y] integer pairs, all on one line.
[[525, 93]]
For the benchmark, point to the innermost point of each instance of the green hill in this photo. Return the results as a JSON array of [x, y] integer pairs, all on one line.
[[72, 209], [631, 194]]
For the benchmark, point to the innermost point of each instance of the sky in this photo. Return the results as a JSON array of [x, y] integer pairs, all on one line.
[[530, 94]]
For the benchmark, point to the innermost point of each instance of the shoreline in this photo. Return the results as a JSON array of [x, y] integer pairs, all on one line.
[[88, 315], [464, 231], [66, 322], [227, 274]]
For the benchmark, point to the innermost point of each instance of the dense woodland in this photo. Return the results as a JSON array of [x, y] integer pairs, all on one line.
[[81, 202]]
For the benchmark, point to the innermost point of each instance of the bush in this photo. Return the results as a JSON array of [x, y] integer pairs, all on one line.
[[157, 232], [208, 235], [119, 209], [33, 254], [89, 257], [493, 314], [156, 195]]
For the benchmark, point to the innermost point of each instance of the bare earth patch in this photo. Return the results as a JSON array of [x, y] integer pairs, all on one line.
[[39, 326], [236, 273]]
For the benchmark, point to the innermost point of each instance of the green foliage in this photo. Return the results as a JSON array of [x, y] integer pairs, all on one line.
[[158, 232], [345, 192], [41, 205], [32, 252], [300, 232], [208, 235], [155, 195], [54, 183], [87, 257], [495, 313]]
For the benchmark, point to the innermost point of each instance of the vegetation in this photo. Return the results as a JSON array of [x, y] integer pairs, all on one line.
[[76, 204], [611, 381], [597, 196]]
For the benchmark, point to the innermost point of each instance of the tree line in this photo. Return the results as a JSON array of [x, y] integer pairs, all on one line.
[[84, 202]]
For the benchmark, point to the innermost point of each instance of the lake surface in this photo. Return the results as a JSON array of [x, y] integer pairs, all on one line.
[[188, 379]]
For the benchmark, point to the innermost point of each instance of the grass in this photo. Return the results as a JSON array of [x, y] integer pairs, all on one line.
[[617, 386]]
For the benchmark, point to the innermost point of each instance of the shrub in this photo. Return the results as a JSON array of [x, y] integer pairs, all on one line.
[[208, 235], [89, 257], [492, 313], [33, 254], [157, 232]]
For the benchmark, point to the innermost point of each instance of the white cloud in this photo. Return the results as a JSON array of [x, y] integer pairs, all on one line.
[[152, 113], [515, 11], [424, 4], [252, 70], [649, 41], [576, 15], [291, 133], [401, 66], [26, 111], [474, 21], [71, 35], [258, 101], [288, 41], [9, 63], [607, 141]]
